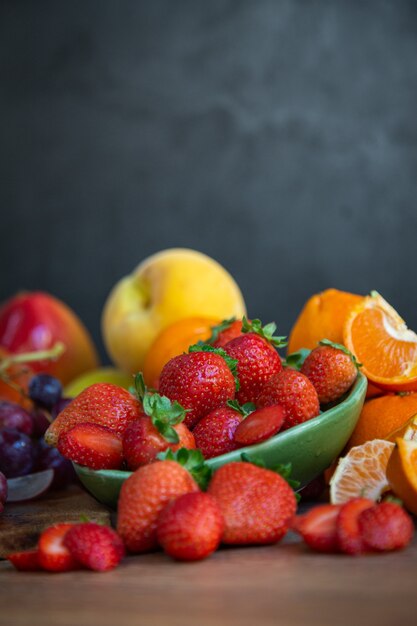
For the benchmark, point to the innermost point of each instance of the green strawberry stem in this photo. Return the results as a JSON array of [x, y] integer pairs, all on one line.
[[244, 409], [219, 328], [191, 460], [266, 332], [296, 359]]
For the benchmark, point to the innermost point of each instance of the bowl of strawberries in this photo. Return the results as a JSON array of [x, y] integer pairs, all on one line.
[[224, 402]]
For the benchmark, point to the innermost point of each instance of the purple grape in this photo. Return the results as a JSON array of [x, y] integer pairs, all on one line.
[[60, 406], [14, 416], [3, 490], [41, 420], [45, 390], [51, 458], [16, 453]]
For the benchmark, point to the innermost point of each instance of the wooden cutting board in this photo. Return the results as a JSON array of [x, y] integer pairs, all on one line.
[[21, 523]]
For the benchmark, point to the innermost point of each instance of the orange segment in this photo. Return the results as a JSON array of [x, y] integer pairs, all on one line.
[[402, 472], [382, 416], [362, 472], [381, 341], [323, 316], [173, 340]]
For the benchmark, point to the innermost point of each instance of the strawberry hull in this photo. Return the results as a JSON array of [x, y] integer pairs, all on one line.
[[310, 448]]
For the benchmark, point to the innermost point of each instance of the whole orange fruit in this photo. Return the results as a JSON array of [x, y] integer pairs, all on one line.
[[322, 317]]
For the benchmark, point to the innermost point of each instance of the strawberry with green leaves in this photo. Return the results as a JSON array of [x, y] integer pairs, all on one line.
[[214, 433], [332, 369], [257, 357], [160, 427], [200, 381], [224, 332]]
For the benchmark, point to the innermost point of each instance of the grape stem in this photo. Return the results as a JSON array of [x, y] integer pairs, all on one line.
[[28, 357]]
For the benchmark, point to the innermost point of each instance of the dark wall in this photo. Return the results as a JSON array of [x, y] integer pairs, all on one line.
[[279, 137]]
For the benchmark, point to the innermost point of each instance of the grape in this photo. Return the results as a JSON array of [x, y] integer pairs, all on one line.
[[16, 453], [45, 390], [41, 421], [3, 490], [14, 416], [60, 406], [51, 458]]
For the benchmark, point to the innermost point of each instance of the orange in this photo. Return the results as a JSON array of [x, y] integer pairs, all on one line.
[[322, 317], [381, 341], [381, 416], [402, 472], [406, 431], [173, 340], [362, 472]]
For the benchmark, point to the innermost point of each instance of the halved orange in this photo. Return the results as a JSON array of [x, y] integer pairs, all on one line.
[[402, 472], [362, 472], [381, 341]]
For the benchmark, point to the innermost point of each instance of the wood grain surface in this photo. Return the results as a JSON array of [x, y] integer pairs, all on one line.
[[285, 584]]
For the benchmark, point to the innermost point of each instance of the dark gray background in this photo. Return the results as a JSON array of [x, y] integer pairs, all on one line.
[[279, 137]]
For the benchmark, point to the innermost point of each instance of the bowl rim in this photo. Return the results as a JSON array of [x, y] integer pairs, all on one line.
[[356, 391]]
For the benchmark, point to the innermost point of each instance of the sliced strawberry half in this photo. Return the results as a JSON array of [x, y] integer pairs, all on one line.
[[318, 527], [92, 445], [54, 556], [260, 425], [348, 533], [25, 561]]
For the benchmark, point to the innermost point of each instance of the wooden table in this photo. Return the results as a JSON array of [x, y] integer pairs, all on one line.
[[277, 585]]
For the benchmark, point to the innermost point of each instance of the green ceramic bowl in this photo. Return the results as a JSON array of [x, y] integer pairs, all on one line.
[[310, 448]]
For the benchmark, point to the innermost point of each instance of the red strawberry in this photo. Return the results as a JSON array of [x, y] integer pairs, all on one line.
[[93, 446], [200, 381], [259, 425], [348, 535], [257, 358], [257, 504], [332, 369], [95, 546], [157, 430], [27, 561], [54, 556], [142, 497], [214, 433], [103, 404], [225, 332], [295, 393], [190, 528], [318, 527], [385, 526]]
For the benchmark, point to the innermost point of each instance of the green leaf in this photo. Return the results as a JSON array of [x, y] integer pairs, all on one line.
[[266, 332], [231, 363], [219, 328], [191, 460], [283, 470], [342, 348], [140, 386], [296, 359], [244, 409], [246, 458]]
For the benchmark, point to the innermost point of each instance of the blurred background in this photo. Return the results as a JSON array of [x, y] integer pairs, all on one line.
[[278, 136]]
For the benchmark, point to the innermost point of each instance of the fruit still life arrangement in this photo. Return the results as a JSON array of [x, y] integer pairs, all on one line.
[[210, 428]]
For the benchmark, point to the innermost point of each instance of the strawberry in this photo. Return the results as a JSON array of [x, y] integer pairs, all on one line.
[[332, 369], [295, 392], [259, 425], [214, 432], [27, 561], [385, 527], [158, 429], [103, 404], [257, 504], [318, 527], [200, 381], [54, 556], [190, 528], [348, 535], [257, 358], [225, 332], [142, 497], [95, 546], [92, 445]]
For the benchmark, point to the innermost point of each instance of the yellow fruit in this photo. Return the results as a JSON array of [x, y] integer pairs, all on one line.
[[100, 375], [164, 288]]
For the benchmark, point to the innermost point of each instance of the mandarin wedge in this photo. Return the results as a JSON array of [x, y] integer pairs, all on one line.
[[362, 472], [382, 343], [402, 473]]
